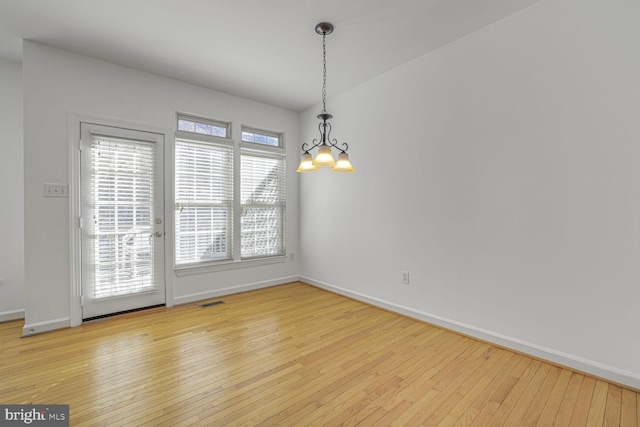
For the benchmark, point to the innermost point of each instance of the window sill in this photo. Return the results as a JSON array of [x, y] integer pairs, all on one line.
[[228, 265]]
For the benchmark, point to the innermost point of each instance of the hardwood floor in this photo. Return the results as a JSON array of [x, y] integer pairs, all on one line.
[[294, 355]]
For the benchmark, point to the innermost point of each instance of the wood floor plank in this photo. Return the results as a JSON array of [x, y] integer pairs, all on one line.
[[628, 411], [613, 409], [293, 355], [598, 403], [583, 402]]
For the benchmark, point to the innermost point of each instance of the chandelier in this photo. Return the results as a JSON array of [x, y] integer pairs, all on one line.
[[324, 157]]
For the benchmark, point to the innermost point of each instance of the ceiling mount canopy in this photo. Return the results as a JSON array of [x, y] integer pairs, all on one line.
[[324, 28], [324, 156]]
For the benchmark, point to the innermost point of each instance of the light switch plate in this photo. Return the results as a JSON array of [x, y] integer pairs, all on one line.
[[56, 190]]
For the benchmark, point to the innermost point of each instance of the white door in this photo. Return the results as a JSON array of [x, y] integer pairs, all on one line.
[[122, 219]]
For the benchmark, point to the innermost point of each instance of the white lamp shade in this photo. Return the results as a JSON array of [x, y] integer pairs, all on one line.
[[324, 158], [343, 164], [306, 164]]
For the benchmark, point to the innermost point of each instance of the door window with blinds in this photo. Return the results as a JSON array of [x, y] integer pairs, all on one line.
[[122, 230], [211, 225], [122, 202]]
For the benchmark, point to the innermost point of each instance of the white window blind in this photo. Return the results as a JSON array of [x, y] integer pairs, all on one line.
[[121, 208], [263, 205], [204, 202]]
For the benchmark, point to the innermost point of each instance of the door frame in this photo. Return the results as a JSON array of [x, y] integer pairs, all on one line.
[[75, 233]]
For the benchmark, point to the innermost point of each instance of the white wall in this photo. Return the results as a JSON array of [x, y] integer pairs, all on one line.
[[58, 84], [11, 188], [502, 171]]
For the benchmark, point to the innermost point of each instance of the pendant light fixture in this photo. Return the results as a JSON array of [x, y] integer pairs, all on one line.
[[324, 157]]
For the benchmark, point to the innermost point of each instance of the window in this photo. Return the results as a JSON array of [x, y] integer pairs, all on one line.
[[263, 205], [204, 201], [206, 213], [202, 126], [262, 137]]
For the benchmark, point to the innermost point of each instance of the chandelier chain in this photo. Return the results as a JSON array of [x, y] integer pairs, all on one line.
[[324, 72]]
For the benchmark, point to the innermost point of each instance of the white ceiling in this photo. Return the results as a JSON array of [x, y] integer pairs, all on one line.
[[266, 50]]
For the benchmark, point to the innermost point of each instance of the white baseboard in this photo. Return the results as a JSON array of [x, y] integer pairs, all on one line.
[[6, 316], [49, 325], [580, 364], [185, 299]]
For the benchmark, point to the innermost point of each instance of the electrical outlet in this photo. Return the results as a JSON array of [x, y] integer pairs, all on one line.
[[292, 256], [405, 277]]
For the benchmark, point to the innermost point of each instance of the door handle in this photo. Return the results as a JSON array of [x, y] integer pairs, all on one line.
[[158, 233]]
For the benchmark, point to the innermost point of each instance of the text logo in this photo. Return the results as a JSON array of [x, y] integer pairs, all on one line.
[[36, 415]]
